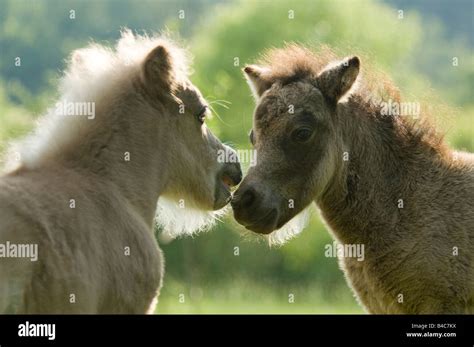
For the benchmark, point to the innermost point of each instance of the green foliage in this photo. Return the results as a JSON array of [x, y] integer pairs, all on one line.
[[246, 29], [43, 32], [15, 121]]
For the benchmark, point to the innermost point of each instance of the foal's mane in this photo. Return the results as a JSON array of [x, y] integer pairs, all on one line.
[[90, 74], [294, 62]]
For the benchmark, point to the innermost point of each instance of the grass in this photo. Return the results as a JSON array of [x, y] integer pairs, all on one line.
[[244, 296]]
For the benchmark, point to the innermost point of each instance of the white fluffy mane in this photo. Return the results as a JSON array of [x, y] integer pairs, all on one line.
[[90, 73]]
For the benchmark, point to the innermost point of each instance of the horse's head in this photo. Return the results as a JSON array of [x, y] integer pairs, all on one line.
[[196, 178], [295, 137]]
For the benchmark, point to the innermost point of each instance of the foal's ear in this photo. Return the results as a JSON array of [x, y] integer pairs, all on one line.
[[258, 79], [334, 81], [157, 69]]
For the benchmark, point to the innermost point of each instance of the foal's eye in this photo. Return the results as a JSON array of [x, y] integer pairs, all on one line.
[[201, 116], [302, 134], [251, 138]]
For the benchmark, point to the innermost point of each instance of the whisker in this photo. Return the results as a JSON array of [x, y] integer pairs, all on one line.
[[220, 101], [222, 105], [230, 144], [217, 114]]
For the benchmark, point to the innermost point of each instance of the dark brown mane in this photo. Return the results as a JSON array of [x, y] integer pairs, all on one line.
[[294, 62]]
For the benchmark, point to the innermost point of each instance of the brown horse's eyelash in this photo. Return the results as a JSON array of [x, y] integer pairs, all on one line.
[[251, 137], [201, 116]]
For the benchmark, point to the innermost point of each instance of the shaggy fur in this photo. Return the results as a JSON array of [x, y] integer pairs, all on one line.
[[85, 190], [402, 193]]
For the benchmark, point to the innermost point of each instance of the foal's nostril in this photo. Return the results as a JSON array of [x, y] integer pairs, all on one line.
[[232, 175], [247, 198], [238, 175]]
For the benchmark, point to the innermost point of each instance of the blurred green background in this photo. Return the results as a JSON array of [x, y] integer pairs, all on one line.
[[417, 43]]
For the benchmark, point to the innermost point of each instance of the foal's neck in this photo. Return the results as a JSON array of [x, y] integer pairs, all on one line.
[[126, 149], [382, 166]]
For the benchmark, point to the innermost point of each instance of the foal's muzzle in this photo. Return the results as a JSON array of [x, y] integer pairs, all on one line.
[[256, 210], [229, 176]]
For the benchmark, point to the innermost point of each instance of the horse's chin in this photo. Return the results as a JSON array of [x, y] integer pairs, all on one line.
[[223, 196], [280, 232]]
